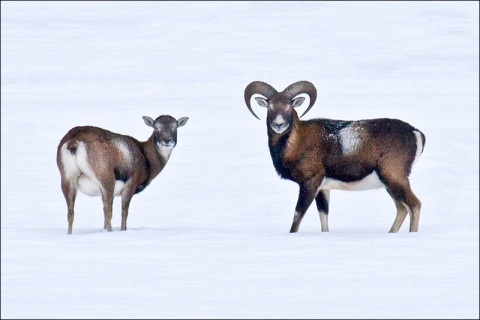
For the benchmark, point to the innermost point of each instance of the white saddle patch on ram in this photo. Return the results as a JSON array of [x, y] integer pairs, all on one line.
[[349, 139]]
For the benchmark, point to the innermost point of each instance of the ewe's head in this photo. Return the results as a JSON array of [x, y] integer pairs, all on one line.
[[280, 105], [165, 130]]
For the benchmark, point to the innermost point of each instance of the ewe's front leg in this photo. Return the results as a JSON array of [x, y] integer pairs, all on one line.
[[127, 195]]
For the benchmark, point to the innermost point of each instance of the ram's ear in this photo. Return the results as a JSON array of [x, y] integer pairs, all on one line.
[[149, 121], [262, 102], [298, 101]]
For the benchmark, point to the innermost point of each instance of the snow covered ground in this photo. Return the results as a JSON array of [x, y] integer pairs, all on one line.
[[209, 237]]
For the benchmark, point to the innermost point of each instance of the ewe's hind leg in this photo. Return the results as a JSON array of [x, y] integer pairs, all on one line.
[[107, 210], [108, 187], [322, 199], [70, 193], [402, 192], [401, 214]]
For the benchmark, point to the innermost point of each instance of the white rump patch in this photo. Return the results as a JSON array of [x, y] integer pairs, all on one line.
[[69, 162], [78, 170], [87, 182], [419, 147], [372, 181], [349, 139]]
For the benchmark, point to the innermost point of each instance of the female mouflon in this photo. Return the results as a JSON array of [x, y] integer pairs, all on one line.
[[102, 163], [324, 154]]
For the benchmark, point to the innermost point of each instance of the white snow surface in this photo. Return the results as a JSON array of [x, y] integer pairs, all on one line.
[[209, 237]]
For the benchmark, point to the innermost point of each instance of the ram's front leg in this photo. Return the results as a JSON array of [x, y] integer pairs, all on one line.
[[322, 199], [305, 199]]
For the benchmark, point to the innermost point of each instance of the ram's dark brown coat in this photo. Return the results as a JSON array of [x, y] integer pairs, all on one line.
[[323, 154]]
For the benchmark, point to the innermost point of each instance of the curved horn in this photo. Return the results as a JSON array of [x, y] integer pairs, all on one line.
[[302, 87], [259, 87]]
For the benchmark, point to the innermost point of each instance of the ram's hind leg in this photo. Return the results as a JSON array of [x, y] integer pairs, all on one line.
[[414, 205], [322, 199], [402, 193], [401, 214]]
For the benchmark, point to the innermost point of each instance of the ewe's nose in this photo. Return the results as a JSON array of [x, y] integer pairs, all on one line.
[[167, 141]]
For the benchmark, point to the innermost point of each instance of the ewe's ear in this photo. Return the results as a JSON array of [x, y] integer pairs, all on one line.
[[262, 102], [148, 121], [298, 102], [182, 121]]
